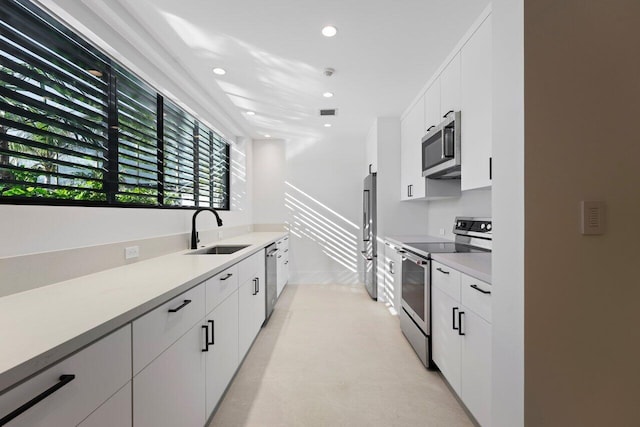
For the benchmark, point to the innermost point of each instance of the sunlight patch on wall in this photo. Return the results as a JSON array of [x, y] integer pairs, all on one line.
[[335, 234]]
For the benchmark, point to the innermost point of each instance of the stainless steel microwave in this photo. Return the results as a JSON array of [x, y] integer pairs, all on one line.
[[441, 149]]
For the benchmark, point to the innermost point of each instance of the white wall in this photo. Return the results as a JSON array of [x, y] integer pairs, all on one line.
[[441, 213], [269, 181], [323, 200], [508, 214]]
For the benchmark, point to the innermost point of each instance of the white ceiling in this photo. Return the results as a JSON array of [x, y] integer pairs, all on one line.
[[274, 54]]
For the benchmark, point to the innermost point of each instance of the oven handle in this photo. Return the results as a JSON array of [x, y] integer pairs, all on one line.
[[416, 259]]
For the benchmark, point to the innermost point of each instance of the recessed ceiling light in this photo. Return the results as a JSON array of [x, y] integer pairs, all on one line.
[[251, 113], [266, 135], [327, 125], [329, 31], [327, 94], [219, 71]]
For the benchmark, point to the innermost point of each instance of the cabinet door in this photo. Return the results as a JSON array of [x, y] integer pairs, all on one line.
[[246, 298], [222, 357], [411, 133], [445, 344], [392, 276], [450, 87], [170, 391], [476, 85], [100, 370], [432, 116], [114, 412], [476, 366], [260, 300]]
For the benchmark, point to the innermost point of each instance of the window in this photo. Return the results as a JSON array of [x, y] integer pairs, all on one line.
[[76, 128]]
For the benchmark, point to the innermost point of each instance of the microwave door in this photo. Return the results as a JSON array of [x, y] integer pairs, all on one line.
[[433, 151]]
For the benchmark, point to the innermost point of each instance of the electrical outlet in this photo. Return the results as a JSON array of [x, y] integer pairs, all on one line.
[[131, 252], [442, 231]]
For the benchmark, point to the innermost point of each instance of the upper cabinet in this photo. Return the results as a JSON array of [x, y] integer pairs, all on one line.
[[432, 115], [411, 132], [463, 84], [476, 100], [450, 87]]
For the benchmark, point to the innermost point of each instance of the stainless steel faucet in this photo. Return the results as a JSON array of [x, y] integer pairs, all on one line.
[[194, 233]]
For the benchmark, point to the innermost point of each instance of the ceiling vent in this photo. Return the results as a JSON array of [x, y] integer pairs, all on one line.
[[330, 112]]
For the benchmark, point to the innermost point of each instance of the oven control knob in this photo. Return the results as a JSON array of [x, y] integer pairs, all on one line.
[[482, 226], [488, 227]]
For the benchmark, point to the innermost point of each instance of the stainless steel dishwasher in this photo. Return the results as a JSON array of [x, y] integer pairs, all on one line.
[[272, 279]]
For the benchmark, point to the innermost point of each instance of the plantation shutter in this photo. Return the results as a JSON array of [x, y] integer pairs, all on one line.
[[53, 109], [179, 156], [220, 173]]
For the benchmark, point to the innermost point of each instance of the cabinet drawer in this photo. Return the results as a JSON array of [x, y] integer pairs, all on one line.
[[157, 330], [249, 268], [220, 286], [446, 279], [476, 295], [100, 370]]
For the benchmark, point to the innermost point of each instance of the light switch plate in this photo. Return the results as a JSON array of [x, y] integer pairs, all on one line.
[[592, 217], [442, 231]]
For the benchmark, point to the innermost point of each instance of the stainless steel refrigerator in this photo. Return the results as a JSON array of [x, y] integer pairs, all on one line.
[[369, 235]]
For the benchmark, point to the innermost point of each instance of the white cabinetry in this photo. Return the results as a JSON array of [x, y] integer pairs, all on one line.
[[411, 133], [251, 301], [222, 356], [372, 150], [282, 263], [114, 412], [98, 371], [432, 116], [392, 275], [450, 87], [461, 337], [170, 391], [476, 106]]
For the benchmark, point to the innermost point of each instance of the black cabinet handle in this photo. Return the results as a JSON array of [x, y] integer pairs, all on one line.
[[254, 286], [213, 332], [180, 307], [431, 127], [257, 285], [370, 165], [460, 313], [206, 338], [286, 262], [477, 288], [490, 167], [62, 381], [402, 252], [442, 271], [226, 277], [453, 310], [448, 112]]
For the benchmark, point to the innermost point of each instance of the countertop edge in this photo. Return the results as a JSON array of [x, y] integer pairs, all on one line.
[[462, 267], [27, 369]]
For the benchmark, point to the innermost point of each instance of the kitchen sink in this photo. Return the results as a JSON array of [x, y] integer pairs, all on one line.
[[218, 250]]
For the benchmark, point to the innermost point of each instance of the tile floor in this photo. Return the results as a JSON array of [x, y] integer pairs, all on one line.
[[330, 356]]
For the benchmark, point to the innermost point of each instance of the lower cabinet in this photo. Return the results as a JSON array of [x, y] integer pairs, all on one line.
[[282, 264], [222, 355], [392, 275], [252, 310], [114, 412], [462, 336], [170, 391], [81, 384]]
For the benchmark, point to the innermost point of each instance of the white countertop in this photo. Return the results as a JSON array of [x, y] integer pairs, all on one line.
[[43, 325], [477, 265]]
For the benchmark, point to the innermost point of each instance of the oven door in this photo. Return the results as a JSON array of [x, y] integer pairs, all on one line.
[[416, 291]]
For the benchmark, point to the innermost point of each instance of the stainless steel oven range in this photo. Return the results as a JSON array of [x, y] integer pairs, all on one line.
[[472, 235]]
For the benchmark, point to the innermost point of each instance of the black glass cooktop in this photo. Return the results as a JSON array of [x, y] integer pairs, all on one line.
[[444, 247]]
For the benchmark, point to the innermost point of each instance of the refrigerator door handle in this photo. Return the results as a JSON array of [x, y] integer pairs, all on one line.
[[365, 217]]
